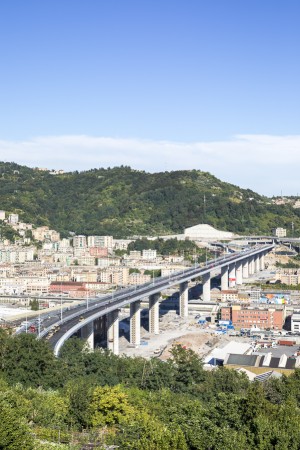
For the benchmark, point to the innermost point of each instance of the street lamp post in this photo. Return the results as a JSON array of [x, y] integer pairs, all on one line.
[[39, 319], [61, 312]]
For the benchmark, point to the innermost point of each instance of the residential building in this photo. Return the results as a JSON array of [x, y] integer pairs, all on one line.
[[288, 276], [13, 219], [134, 254], [98, 252], [149, 254], [106, 262], [229, 295], [79, 241], [100, 241], [139, 278], [121, 244], [247, 317], [118, 276], [279, 232]]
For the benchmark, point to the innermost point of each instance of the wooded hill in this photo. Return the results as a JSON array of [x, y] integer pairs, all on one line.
[[124, 202]]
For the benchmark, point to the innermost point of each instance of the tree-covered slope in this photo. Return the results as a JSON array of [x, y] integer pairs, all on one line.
[[125, 202]]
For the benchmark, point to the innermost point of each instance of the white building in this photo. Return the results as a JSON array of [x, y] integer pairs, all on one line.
[[295, 322], [204, 232], [106, 262], [134, 254], [121, 244], [2, 215], [79, 241], [13, 218], [100, 241], [64, 243], [279, 232], [149, 254]]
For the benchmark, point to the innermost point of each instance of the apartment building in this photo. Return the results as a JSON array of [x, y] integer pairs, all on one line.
[[149, 254], [107, 262], [45, 234], [288, 276], [13, 218], [230, 295], [79, 241], [279, 232], [100, 241], [121, 244], [134, 254], [115, 276], [86, 260], [98, 252], [138, 278], [243, 317], [16, 255]]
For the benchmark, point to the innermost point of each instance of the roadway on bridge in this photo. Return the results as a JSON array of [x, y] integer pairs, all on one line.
[[76, 318]]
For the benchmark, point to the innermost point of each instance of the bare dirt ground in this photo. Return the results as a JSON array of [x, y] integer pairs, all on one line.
[[176, 330]]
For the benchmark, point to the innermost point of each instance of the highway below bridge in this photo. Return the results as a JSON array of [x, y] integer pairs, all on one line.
[[104, 312]]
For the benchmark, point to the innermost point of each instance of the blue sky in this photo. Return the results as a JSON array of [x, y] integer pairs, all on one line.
[[215, 82]]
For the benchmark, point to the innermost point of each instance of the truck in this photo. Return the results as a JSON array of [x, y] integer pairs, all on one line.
[[286, 342]]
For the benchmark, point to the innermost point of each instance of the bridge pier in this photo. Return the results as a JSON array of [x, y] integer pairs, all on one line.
[[184, 299], [87, 332], [239, 273], [245, 268], [154, 313], [206, 287], [135, 323], [262, 261], [251, 265], [257, 263], [113, 331], [232, 276], [224, 278]]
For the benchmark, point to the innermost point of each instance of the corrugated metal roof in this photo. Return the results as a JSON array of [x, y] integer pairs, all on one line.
[[242, 360]]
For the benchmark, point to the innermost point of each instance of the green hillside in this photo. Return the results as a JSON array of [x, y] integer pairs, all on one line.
[[125, 202]]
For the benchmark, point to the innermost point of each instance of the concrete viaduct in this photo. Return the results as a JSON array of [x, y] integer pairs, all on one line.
[[88, 318]]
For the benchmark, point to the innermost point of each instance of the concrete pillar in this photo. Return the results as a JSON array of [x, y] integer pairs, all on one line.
[[251, 268], [239, 273], [224, 278], [257, 268], [262, 261], [184, 299], [206, 287], [135, 323], [232, 276], [154, 314], [113, 331], [253, 264], [245, 268], [87, 332]]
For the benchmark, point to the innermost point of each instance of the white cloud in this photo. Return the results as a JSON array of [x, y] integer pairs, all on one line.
[[264, 163]]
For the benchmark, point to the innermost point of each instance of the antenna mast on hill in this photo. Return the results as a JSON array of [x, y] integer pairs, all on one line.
[[204, 206]]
